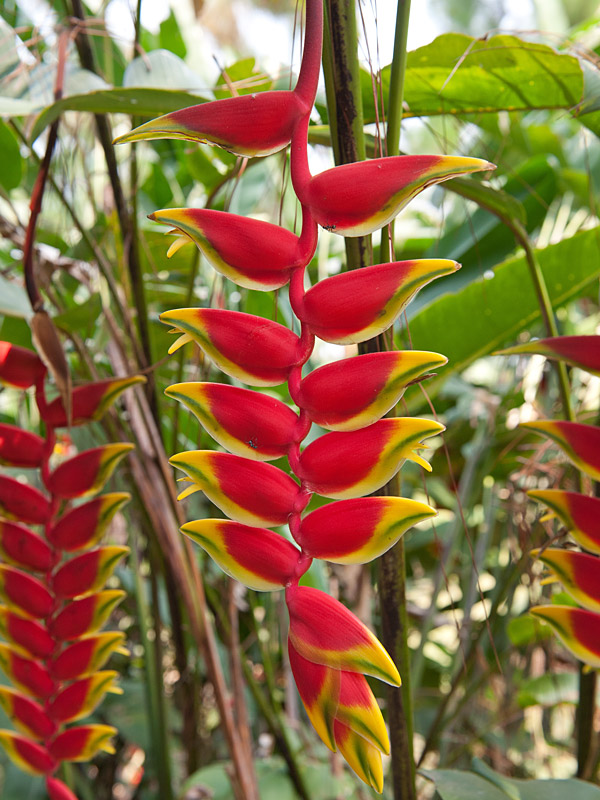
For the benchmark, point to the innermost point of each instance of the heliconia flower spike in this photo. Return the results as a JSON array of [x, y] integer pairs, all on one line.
[[89, 402], [19, 367], [24, 548], [87, 472], [578, 351], [252, 349], [580, 443], [28, 634], [578, 512], [28, 715], [324, 631], [26, 674], [244, 422], [23, 502], [79, 699], [355, 392], [88, 572], [247, 491], [346, 465], [82, 743], [578, 629], [84, 525], [357, 531], [251, 253], [26, 593], [86, 615], [256, 557], [19, 448], [57, 790], [29, 756], [86, 655], [361, 755], [579, 573], [226, 123], [358, 305], [359, 198]]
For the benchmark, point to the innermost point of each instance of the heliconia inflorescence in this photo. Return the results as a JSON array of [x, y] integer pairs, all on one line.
[[330, 650], [577, 572], [52, 601]]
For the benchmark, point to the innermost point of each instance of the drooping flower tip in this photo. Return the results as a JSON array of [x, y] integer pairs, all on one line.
[[579, 574], [89, 402], [578, 629], [579, 351], [87, 472], [578, 512], [19, 368], [580, 443]]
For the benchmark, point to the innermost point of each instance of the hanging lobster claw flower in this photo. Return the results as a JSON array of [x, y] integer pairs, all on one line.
[[580, 443], [89, 402], [579, 573], [84, 525], [22, 502], [577, 628], [246, 423], [28, 594], [57, 790], [246, 491], [27, 714], [358, 199], [250, 125], [359, 305], [578, 351], [578, 512], [19, 367], [28, 634], [82, 743], [29, 756], [88, 572], [357, 531], [19, 448], [84, 616], [355, 392], [23, 547], [87, 472], [252, 349], [251, 253], [360, 754], [27, 675], [256, 557], [346, 465], [325, 632], [86, 656], [80, 698]]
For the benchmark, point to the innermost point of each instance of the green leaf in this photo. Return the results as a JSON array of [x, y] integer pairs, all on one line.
[[139, 101], [11, 163], [488, 314], [549, 690], [454, 784], [170, 36], [244, 78], [81, 318], [13, 300], [457, 74]]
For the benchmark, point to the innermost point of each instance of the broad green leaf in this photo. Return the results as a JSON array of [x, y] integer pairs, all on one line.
[[139, 101], [11, 163], [81, 318], [457, 74], [170, 36], [549, 690], [487, 314], [454, 784], [13, 299], [588, 111], [243, 76]]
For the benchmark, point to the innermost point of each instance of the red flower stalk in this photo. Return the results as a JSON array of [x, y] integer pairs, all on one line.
[[329, 648], [53, 603]]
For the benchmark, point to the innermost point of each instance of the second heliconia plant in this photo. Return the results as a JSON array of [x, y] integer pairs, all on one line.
[[330, 650], [52, 597]]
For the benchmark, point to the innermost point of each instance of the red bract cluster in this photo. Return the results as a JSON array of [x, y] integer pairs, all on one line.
[[330, 650], [579, 573], [51, 582]]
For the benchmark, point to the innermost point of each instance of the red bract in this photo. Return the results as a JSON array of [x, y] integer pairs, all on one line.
[[23, 502], [84, 525], [19, 367], [89, 402], [26, 593], [579, 351], [581, 443], [19, 448], [580, 514], [87, 472], [23, 547]]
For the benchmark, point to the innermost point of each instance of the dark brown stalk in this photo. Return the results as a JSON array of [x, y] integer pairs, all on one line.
[[344, 101]]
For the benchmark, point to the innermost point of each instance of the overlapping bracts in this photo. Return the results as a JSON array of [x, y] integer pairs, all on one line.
[[330, 650], [51, 581], [577, 572]]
